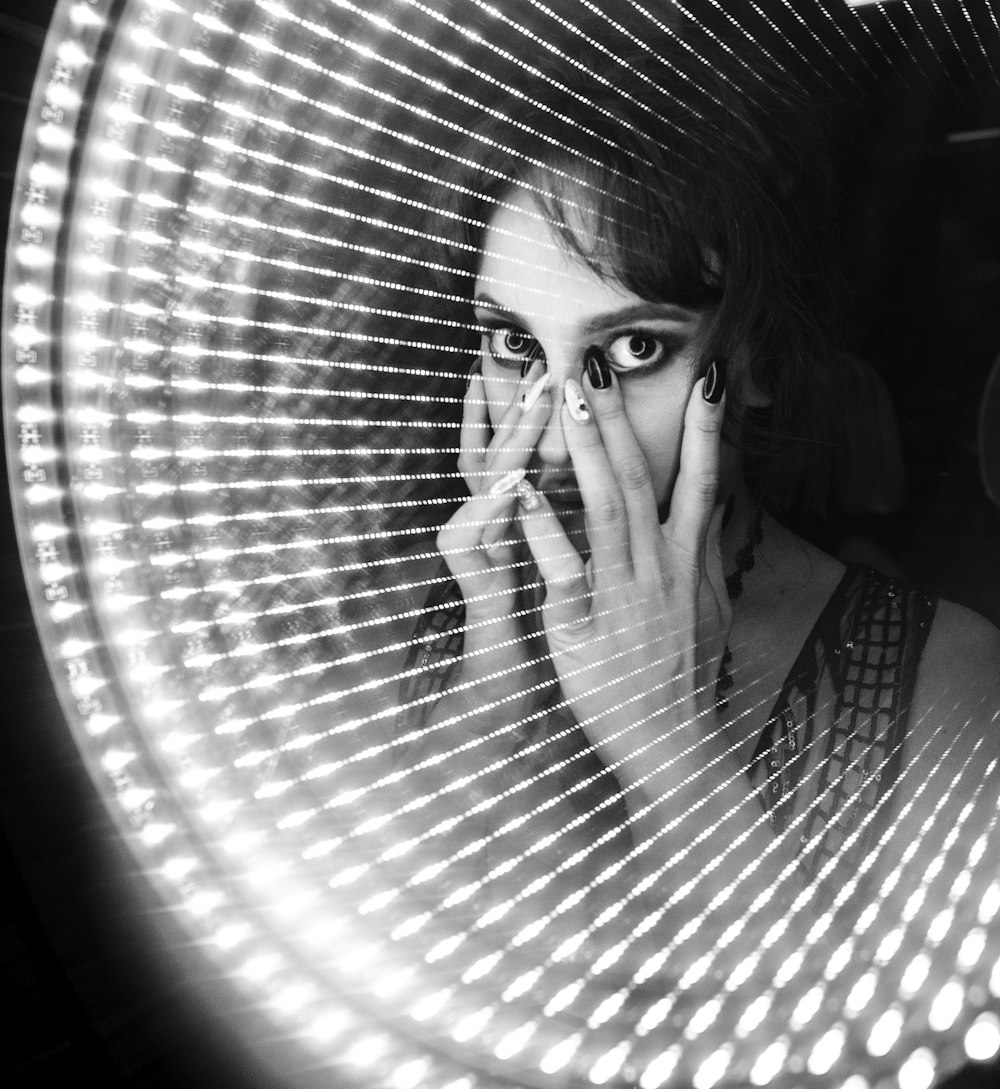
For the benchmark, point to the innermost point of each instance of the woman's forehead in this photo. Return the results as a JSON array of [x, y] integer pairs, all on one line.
[[524, 249]]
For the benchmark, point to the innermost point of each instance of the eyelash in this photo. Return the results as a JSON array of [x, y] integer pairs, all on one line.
[[670, 344], [494, 332]]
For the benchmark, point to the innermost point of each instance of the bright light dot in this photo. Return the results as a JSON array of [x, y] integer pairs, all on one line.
[[135, 798], [69, 52], [826, 1052], [659, 1070], [982, 1041], [769, 1063], [154, 834], [410, 1075], [940, 926], [807, 1007], [515, 1041], [62, 96], [100, 724], [971, 949], [30, 294], [368, 1050], [116, 759], [326, 1027], [26, 336], [429, 1005], [34, 414], [176, 869], [482, 967], [860, 995], [918, 1070], [990, 903], [947, 1005], [84, 15], [915, 974], [55, 136], [470, 1027], [609, 1064], [145, 37], [260, 968], [885, 1032], [712, 1069], [888, 947], [33, 256], [703, 1018], [31, 376], [290, 1000], [229, 937], [557, 1057]]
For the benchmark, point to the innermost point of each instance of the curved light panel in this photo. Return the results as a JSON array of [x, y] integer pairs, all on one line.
[[234, 370]]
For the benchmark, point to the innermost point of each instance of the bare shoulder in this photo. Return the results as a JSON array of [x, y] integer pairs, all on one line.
[[961, 662], [955, 715]]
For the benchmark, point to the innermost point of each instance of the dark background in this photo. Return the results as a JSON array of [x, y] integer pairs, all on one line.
[[94, 980]]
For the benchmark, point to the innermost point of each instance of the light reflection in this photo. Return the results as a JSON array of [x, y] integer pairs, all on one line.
[[183, 501]]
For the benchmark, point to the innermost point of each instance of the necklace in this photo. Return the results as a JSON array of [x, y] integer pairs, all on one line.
[[746, 557]]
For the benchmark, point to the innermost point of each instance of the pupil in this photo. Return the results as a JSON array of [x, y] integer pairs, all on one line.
[[515, 342], [640, 347]]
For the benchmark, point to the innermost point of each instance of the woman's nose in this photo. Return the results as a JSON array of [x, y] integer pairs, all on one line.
[[552, 449]]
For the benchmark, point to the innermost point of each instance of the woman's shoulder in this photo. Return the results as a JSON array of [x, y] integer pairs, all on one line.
[[960, 666]]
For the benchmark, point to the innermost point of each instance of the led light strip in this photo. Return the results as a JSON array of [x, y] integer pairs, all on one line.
[[230, 703]]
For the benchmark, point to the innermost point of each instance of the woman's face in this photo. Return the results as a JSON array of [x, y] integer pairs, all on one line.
[[532, 292]]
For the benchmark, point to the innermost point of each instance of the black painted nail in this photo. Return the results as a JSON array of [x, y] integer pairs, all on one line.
[[529, 359], [598, 370], [715, 381], [473, 371]]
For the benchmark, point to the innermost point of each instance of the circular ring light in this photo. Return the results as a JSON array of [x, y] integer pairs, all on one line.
[[233, 384]]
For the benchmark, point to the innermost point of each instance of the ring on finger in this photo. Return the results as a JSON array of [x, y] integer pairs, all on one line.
[[527, 496]]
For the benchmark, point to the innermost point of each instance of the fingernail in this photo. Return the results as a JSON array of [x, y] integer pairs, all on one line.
[[527, 496], [475, 369], [575, 402], [715, 381], [532, 395], [598, 370], [507, 483], [529, 359]]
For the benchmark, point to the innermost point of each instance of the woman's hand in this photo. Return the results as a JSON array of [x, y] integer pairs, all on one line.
[[636, 633], [503, 658]]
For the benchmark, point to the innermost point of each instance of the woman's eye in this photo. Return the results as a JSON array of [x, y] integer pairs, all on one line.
[[635, 350], [507, 344]]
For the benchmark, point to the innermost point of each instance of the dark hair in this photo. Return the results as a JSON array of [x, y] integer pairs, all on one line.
[[706, 172]]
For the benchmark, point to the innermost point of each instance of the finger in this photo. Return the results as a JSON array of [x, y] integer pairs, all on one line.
[[521, 424], [697, 484], [474, 434], [462, 541], [606, 513], [560, 566], [488, 452], [627, 460]]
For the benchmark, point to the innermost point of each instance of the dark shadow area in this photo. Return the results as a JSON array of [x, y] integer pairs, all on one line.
[[90, 973]]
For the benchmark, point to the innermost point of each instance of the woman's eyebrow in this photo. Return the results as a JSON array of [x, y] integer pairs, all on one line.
[[486, 303], [610, 319], [644, 311]]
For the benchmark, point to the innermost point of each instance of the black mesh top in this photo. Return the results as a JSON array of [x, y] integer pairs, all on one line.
[[823, 768]]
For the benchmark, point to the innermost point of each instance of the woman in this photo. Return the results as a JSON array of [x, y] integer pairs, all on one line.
[[625, 641]]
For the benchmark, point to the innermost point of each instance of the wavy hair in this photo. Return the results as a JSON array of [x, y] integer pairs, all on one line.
[[706, 170]]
